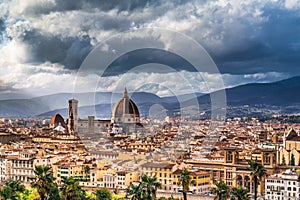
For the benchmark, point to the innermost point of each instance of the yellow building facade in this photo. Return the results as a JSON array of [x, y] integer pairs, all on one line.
[[201, 179], [162, 172]]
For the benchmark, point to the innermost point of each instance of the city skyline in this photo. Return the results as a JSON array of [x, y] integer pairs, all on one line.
[[150, 99]]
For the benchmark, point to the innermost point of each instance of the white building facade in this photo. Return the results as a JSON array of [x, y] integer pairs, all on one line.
[[4, 167], [285, 186]]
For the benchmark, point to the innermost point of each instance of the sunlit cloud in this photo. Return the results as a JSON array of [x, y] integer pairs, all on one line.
[[44, 42]]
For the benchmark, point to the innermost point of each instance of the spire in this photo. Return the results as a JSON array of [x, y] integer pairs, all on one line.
[[125, 93]]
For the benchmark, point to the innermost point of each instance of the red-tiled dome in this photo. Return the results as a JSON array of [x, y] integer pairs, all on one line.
[[56, 120], [125, 108]]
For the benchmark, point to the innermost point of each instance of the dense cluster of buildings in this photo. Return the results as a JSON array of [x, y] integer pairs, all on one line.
[[93, 171], [115, 153]]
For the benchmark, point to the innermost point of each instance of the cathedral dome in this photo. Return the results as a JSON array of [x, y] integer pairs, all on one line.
[[56, 120], [125, 110]]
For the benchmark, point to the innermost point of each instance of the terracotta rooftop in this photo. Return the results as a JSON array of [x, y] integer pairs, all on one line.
[[158, 165]]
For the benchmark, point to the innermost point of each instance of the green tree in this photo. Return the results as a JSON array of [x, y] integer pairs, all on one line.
[[221, 191], [28, 194], [257, 172], [54, 193], [149, 186], [103, 194], [71, 190], [145, 190], [185, 180], [134, 192], [11, 189], [239, 193], [44, 183], [292, 161]]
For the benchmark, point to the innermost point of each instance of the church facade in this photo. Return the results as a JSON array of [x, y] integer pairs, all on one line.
[[289, 152], [125, 118]]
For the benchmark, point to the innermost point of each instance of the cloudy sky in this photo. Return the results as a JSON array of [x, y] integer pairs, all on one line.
[[44, 42]]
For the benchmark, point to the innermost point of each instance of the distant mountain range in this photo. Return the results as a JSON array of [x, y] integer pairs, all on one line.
[[249, 99], [256, 99]]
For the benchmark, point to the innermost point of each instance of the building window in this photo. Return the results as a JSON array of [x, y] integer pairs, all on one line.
[[228, 175], [267, 158], [229, 156]]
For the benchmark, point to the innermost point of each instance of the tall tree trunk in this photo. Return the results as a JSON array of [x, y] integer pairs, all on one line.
[[184, 196], [255, 187]]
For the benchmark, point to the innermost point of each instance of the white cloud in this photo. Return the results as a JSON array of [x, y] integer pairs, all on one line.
[[224, 27], [265, 76], [215, 23], [14, 52], [163, 84], [292, 4]]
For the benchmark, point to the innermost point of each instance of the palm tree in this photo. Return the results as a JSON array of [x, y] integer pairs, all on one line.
[[11, 189], [257, 172], [54, 193], [71, 190], [221, 191], [146, 189], [185, 180], [103, 194], [239, 193], [44, 182], [134, 192], [149, 187]]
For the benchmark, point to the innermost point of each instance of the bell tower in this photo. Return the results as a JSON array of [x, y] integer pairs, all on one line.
[[73, 115]]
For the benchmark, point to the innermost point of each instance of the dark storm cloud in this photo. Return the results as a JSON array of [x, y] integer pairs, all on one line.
[[277, 48], [246, 42], [104, 5], [282, 35], [46, 41], [2, 29], [139, 57], [69, 51]]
